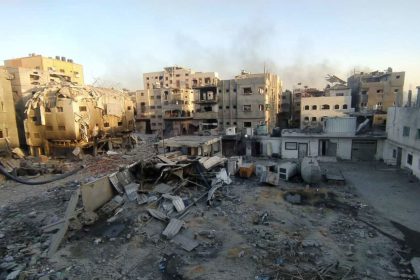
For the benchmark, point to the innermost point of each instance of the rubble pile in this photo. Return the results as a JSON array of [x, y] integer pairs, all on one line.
[[173, 216]]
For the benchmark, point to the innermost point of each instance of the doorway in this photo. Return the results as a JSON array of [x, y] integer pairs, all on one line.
[[302, 150]]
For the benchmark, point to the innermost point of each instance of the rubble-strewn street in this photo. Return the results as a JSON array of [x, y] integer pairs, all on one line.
[[173, 226]]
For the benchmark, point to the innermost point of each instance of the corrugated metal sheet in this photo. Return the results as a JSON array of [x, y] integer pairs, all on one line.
[[341, 125], [172, 228], [177, 202]]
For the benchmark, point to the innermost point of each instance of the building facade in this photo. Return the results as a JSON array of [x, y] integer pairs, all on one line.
[[200, 102], [335, 102], [30, 72], [248, 101], [377, 91], [8, 129], [55, 67], [284, 116], [61, 117], [337, 139], [179, 77], [402, 147]]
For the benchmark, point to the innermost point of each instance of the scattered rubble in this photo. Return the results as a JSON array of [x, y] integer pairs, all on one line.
[[175, 217]]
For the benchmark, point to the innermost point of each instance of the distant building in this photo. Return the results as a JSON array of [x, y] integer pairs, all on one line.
[[61, 117], [285, 109], [297, 95], [402, 147], [179, 77], [336, 101], [8, 129], [376, 91]]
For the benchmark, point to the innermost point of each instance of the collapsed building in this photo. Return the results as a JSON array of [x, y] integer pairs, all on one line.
[[62, 117]]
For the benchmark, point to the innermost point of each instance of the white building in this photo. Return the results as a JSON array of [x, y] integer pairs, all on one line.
[[335, 103], [338, 139], [402, 147]]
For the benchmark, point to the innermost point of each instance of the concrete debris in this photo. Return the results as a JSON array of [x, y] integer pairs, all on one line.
[[157, 214], [176, 200], [162, 188], [252, 229], [131, 191], [113, 204], [18, 153], [77, 151], [173, 228], [142, 199], [58, 237], [185, 241], [209, 163]]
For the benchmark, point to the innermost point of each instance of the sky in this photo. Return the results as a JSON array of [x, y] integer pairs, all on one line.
[[301, 40]]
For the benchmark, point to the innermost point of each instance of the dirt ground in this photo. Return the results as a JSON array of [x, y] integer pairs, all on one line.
[[250, 232]]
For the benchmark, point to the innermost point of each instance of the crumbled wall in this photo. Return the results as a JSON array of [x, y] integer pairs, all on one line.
[[73, 114]]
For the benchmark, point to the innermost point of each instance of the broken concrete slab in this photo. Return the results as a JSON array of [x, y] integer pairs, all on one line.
[[173, 228], [17, 152], [157, 214], [209, 163], [113, 204], [186, 240], [96, 193], [131, 191], [176, 200], [162, 188], [58, 237]]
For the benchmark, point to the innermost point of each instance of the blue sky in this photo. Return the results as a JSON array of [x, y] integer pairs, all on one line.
[[301, 40]]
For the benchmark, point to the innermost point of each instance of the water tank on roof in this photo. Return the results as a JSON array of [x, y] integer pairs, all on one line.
[[345, 125]]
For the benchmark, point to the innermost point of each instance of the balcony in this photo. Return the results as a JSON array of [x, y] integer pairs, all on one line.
[[205, 115], [177, 115], [207, 101]]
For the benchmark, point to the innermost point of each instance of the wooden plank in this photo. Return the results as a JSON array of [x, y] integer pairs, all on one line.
[[58, 237]]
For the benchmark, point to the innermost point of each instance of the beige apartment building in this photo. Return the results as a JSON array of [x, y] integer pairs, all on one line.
[[247, 101], [179, 77], [61, 117], [166, 105], [35, 70], [56, 67], [377, 91], [196, 101], [8, 129], [336, 102]]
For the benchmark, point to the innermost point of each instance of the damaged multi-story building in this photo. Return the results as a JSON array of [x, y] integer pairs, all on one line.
[[246, 102], [373, 93], [334, 102], [8, 129], [179, 101], [166, 105], [61, 117], [35, 70]]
